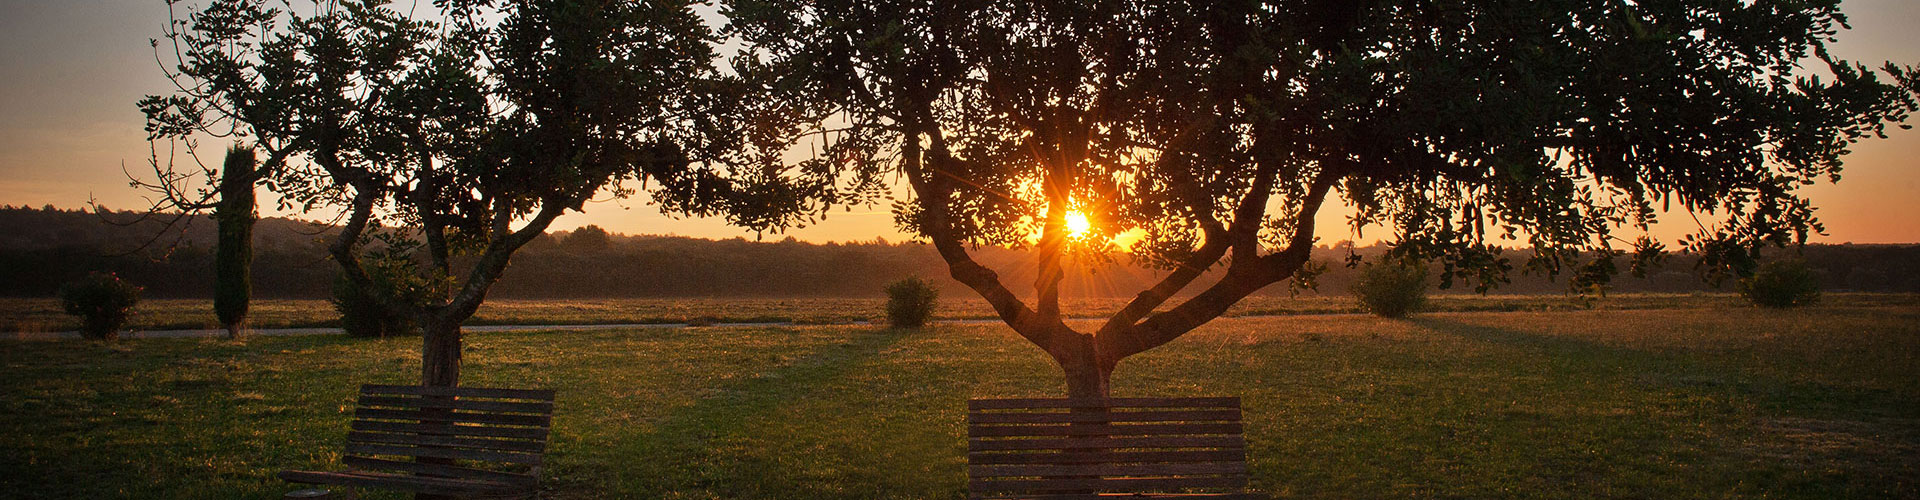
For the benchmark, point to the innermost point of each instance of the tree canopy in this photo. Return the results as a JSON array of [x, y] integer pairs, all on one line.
[[1217, 130], [470, 127]]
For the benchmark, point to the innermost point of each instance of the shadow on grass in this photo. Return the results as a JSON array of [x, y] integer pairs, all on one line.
[[1694, 373], [706, 446], [1780, 435]]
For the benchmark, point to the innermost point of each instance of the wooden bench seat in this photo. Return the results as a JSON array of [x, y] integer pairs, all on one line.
[[467, 442], [1102, 449]]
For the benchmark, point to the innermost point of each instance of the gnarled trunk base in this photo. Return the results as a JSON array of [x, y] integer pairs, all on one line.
[[440, 353], [1086, 376], [439, 367]]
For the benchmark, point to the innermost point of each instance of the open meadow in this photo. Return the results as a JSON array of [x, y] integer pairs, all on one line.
[[35, 315], [1705, 401]]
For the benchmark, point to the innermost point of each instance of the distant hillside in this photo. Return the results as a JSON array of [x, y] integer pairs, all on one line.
[[42, 248]]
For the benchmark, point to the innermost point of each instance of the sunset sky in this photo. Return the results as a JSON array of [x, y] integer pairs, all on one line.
[[71, 70]]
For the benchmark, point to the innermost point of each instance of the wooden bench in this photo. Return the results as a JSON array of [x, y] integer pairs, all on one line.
[[1073, 449], [463, 442]]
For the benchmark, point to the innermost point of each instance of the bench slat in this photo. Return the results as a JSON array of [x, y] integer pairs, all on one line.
[[451, 441], [1021, 404], [465, 392], [418, 434], [1096, 496], [450, 429], [458, 404], [1102, 430], [420, 484], [457, 453], [1106, 484], [1095, 443], [453, 416], [1104, 449], [440, 470], [1102, 417], [985, 471], [1099, 457]]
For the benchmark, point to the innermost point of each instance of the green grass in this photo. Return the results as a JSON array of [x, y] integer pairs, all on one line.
[[44, 315], [1712, 402]]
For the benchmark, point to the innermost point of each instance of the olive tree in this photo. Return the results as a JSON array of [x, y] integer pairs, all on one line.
[[1218, 130], [454, 138]]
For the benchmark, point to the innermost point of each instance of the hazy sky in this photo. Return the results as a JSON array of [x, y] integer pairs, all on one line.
[[71, 70]]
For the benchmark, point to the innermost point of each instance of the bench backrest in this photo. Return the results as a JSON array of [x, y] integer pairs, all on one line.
[[1079, 448], [453, 432]]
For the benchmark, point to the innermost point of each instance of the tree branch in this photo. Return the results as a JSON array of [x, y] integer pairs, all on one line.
[[1202, 259], [1190, 269], [1244, 232], [359, 216], [1053, 239], [934, 191], [493, 261], [1244, 277]]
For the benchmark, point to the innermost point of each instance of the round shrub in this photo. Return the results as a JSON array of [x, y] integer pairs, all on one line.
[[361, 314], [910, 302], [1782, 284], [1392, 288], [102, 301]]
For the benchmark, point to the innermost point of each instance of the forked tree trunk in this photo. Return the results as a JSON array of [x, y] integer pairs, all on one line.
[[1088, 361]]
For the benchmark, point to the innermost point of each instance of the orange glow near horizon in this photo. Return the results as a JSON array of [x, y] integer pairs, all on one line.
[[71, 128]]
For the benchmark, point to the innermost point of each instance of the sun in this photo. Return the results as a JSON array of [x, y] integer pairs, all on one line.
[[1077, 225]]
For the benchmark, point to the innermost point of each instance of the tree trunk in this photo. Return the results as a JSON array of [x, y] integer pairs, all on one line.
[[1086, 379], [440, 352], [1086, 376], [439, 367]]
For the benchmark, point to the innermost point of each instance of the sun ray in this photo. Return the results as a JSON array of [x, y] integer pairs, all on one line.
[[1077, 225]]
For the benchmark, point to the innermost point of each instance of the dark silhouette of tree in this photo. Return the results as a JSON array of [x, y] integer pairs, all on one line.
[[233, 254], [588, 238], [206, 56], [1220, 129], [465, 136], [202, 106]]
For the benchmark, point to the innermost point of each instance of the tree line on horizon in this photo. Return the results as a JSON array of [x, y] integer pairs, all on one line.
[[51, 246]]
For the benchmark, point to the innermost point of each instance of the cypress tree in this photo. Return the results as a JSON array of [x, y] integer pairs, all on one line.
[[233, 255]]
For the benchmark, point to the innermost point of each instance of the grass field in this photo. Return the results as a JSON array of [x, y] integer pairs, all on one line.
[[44, 315], [1702, 402]]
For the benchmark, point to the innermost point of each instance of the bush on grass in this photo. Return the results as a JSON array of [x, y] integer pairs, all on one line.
[[394, 279], [1392, 288], [910, 302], [103, 302], [1782, 284]]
